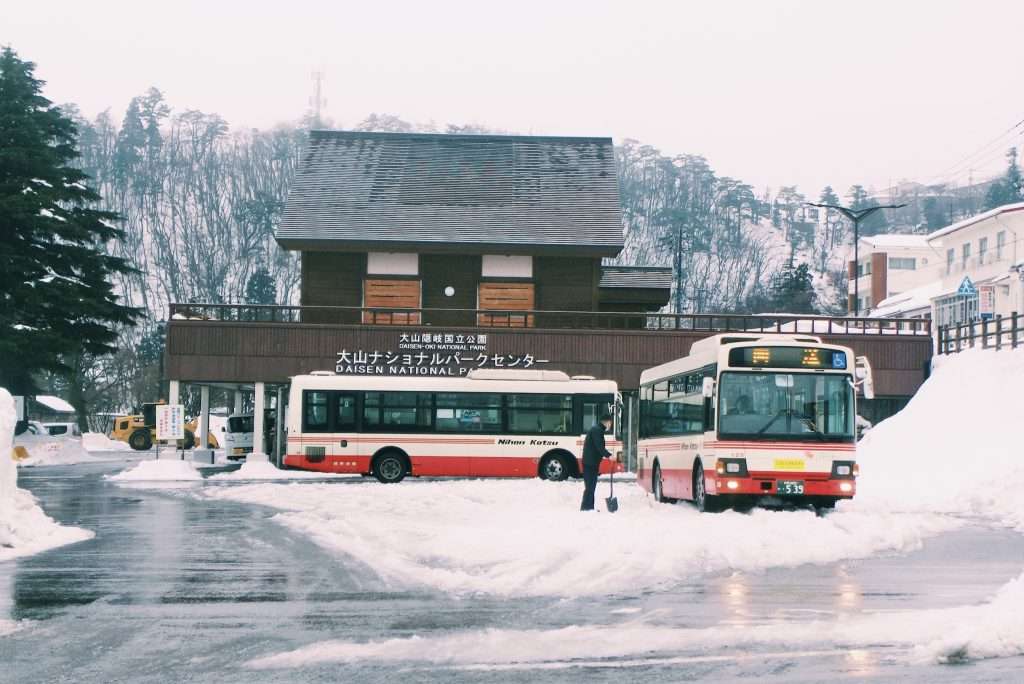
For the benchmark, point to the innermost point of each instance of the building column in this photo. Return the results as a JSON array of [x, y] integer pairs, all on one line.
[[238, 402], [173, 392], [204, 417], [259, 404]]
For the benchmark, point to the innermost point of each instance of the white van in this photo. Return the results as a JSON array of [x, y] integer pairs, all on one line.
[[238, 434]]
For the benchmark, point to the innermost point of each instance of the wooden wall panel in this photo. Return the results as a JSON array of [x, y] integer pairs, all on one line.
[[506, 297], [332, 279], [385, 293], [461, 273]]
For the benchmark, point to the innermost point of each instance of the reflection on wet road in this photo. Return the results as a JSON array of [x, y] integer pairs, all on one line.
[[175, 588]]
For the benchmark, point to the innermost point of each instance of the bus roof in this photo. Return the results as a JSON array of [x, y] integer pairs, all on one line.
[[486, 382], [705, 352]]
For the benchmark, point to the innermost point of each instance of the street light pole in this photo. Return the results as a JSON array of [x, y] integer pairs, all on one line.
[[856, 215]]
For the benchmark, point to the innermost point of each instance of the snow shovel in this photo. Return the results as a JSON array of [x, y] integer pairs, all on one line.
[[611, 503]]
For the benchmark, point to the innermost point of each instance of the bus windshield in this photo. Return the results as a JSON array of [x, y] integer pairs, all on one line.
[[786, 406]]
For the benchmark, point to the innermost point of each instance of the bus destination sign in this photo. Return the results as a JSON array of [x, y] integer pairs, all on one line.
[[788, 357]]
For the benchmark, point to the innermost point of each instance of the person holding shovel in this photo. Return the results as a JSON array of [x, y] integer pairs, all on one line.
[[593, 451]]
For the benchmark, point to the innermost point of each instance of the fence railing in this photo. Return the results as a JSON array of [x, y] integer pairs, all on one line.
[[995, 333], [574, 320]]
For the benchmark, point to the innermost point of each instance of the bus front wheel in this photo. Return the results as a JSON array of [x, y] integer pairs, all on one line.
[[705, 503], [389, 467]]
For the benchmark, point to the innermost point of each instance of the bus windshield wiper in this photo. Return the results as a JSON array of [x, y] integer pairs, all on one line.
[[809, 422], [783, 412]]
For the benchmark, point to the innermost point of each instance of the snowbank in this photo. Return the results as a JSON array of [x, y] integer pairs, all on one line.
[[24, 527], [527, 537], [264, 470], [52, 450], [958, 447], [159, 470], [97, 441], [948, 635]]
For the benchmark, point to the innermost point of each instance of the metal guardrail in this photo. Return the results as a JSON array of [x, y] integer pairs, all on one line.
[[570, 320], [995, 333]]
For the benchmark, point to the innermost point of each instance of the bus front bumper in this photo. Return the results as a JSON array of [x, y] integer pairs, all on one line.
[[789, 484]]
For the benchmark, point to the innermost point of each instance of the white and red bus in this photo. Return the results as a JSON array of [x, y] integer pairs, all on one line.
[[752, 418], [491, 423]]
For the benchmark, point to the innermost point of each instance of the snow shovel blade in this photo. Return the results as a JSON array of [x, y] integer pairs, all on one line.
[[612, 504]]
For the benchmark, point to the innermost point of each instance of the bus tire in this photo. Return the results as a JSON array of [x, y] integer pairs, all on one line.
[[824, 505], [704, 502], [390, 466], [140, 440], [658, 486], [555, 467]]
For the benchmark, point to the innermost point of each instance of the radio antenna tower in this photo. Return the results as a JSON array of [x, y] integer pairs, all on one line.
[[318, 102]]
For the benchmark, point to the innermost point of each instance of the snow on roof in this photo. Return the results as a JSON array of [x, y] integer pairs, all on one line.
[[896, 240], [991, 213], [911, 300], [54, 403]]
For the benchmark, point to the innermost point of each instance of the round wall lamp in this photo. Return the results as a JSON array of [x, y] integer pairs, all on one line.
[[449, 291]]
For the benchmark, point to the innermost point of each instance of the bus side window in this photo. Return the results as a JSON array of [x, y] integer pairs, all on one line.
[[314, 414]]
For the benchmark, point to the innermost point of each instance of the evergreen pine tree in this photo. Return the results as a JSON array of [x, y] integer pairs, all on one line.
[[261, 288], [56, 301], [1009, 188], [793, 290]]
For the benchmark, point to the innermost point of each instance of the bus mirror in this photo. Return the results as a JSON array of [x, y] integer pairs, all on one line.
[[862, 371], [708, 388]]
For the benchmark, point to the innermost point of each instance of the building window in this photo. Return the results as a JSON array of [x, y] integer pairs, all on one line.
[[982, 248], [903, 263], [500, 266], [956, 309], [950, 256], [1000, 244], [382, 295], [506, 300], [392, 263], [966, 254]]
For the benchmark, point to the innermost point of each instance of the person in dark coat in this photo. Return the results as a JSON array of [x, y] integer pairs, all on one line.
[[593, 451]]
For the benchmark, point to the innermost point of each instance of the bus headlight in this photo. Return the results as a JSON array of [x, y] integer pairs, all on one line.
[[844, 470], [732, 484], [845, 487], [736, 467]]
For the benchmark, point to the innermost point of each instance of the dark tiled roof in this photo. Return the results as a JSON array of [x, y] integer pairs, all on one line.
[[636, 277], [391, 190]]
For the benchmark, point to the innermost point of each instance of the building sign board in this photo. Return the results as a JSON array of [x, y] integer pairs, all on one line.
[[986, 301], [967, 287], [170, 422], [431, 353]]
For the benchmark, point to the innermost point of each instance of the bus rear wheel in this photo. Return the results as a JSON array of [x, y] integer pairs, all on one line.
[[389, 467], [705, 503], [658, 486], [554, 467]]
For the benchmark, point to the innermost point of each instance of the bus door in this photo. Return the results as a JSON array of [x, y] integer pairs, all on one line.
[[345, 446]]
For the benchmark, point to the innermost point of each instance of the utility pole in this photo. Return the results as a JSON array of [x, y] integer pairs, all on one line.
[[317, 102], [856, 215]]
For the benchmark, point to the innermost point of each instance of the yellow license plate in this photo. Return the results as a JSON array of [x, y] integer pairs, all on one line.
[[789, 464]]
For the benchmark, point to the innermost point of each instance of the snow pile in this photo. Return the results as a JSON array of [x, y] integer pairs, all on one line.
[[97, 441], [159, 470], [527, 537], [958, 446], [51, 450], [264, 470], [944, 635], [24, 527]]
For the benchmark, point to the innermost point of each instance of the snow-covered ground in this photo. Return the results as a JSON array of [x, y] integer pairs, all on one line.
[[159, 470], [24, 527]]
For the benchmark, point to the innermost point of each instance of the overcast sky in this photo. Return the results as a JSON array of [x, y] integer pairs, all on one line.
[[776, 93]]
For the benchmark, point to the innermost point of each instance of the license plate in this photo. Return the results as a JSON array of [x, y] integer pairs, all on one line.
[[789, 487]]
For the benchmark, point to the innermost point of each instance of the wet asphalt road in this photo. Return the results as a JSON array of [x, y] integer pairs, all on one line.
[[177, 589]]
